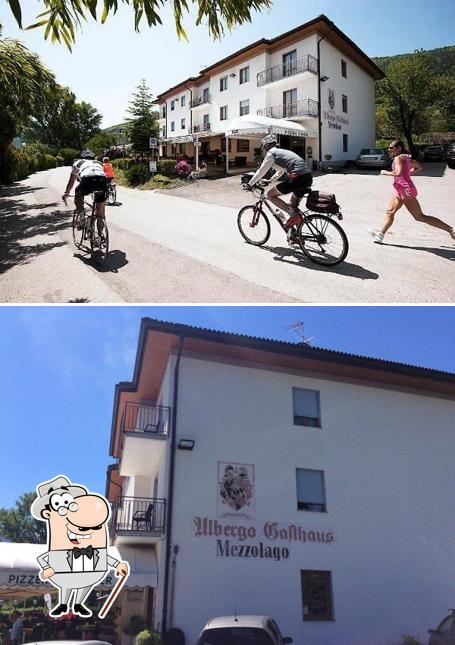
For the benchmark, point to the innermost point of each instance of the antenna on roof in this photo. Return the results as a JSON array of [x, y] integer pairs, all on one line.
[[298, 328], [235, 613]]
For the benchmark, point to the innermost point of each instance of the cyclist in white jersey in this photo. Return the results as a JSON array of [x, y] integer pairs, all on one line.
[[298, 179], [92, 178]]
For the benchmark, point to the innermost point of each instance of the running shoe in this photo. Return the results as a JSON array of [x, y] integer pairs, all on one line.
[[377, 236]]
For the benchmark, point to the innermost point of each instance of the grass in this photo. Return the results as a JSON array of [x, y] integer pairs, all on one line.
[[158, 182]]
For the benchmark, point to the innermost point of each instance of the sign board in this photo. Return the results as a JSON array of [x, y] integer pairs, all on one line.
[[153, 142], [152, 166]]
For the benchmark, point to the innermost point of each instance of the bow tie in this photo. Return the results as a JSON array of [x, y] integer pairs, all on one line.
[[86, 551]]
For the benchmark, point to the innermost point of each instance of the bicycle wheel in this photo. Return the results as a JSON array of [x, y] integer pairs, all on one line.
[[254, 225], [112, 195], [78, 229], [99, 243], [323, 240]]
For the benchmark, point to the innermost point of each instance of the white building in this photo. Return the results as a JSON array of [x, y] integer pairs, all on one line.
[[313, 75], [306, 484]]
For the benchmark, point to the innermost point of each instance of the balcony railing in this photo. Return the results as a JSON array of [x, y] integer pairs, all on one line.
[[147, 419], [139, 516], [307, 107], [201, 100], [290, 68], [202, 128]]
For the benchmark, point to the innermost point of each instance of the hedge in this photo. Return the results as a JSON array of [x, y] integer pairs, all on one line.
[[137, 174], [17, 163], [166, 167], [68, 155]]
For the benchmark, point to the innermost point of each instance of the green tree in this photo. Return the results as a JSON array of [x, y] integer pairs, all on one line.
[[143, 122], [408, 92], [23, 79], [88, 121], [100, 142], [62, 18], [18, 525]]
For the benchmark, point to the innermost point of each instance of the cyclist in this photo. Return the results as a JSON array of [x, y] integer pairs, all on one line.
[[298, 180], [91, 177], [108, 170]]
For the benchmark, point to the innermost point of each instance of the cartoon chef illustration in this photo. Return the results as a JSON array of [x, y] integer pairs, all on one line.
[[77, 538]]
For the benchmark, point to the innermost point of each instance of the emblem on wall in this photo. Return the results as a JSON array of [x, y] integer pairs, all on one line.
[[235, 490], [332, 99]]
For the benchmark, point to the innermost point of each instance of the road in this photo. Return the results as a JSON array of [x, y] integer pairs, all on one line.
[[186, 248]]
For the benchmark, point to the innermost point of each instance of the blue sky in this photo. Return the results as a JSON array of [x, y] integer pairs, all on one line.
[[109, 61], [60, 365]]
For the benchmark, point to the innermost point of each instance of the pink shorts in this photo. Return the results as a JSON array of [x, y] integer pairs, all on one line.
[[405, 191]]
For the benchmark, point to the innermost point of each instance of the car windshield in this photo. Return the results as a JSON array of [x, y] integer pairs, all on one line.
[[235, 636], [372, 151]]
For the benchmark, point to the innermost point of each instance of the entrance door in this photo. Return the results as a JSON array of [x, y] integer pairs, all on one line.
[[205, 147], [289, 103], [290, 63]]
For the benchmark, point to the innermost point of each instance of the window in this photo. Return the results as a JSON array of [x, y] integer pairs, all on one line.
[[163, 112], [345, 143], [205, 95], [243, 145], [223, 113], [172, 126], [317, 595], [344, 69], [289, 103], [244, 75], [182, 101], [206, 118], [344, 102], [310, 490], [223, 144], [290, 63], [172, 105], [244, 107], [182, 124], [306, 407], [223, 83]]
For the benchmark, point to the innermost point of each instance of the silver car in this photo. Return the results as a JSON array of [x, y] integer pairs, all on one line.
[[373, 158], [444, 634], [242, 630]]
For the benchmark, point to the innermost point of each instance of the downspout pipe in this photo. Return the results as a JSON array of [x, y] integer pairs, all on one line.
[[319, 101], [170, 501]]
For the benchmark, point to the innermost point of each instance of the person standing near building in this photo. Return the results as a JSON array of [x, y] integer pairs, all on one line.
[[403, 168]]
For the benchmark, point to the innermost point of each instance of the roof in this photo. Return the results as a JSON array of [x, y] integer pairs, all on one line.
[[321, 24], [236, 621], [158, 339]]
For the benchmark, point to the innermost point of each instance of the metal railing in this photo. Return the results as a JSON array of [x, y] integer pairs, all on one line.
[[147, 419], [202, 128], [307, 107], [201, 100], [139, 515], [306, 64]]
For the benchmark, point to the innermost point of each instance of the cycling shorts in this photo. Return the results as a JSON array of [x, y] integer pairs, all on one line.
[[299, 186], [89, 185]]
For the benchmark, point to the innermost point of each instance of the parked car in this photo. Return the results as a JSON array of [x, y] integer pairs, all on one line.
[[373, 158], [242, 630], [444, 634], [434, 153], [450, 155]]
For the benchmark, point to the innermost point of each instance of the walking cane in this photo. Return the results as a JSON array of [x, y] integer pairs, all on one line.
[[113, 595]]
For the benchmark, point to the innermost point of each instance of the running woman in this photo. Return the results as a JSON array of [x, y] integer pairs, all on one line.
[[403, 168]]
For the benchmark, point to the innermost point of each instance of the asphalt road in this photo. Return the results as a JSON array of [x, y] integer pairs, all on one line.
[[184, 246]]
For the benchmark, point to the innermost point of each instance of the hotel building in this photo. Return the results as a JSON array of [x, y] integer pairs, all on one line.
[[310, 485], [313, 76]]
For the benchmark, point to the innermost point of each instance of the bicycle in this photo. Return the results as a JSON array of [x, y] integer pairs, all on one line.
[[86, 228], [321, 239], [111, 193]]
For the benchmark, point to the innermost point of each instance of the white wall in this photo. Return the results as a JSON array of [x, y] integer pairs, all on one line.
[[388, 462], [359, 87]]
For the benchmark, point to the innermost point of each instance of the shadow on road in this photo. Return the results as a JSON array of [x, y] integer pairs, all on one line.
[[446, 253], [114, 261], [20, 221], [17, 189], [345, 268]]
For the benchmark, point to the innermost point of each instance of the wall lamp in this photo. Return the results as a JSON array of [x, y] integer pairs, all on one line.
[[186, 444], [232, 75], [324, 79]]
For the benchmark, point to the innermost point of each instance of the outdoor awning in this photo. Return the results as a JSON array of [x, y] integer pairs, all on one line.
[[19, 569], [250, 125]]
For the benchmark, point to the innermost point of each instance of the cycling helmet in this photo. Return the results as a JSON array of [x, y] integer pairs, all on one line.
[[105, 159], [87, 154], [269, 141]]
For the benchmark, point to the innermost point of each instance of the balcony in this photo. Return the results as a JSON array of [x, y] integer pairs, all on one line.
[[202, 128], [305, 108], [137, 520], [199, 101], [144, 432], [291, 68]]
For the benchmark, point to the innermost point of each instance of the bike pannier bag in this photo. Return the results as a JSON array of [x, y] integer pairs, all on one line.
[[319, 202]]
